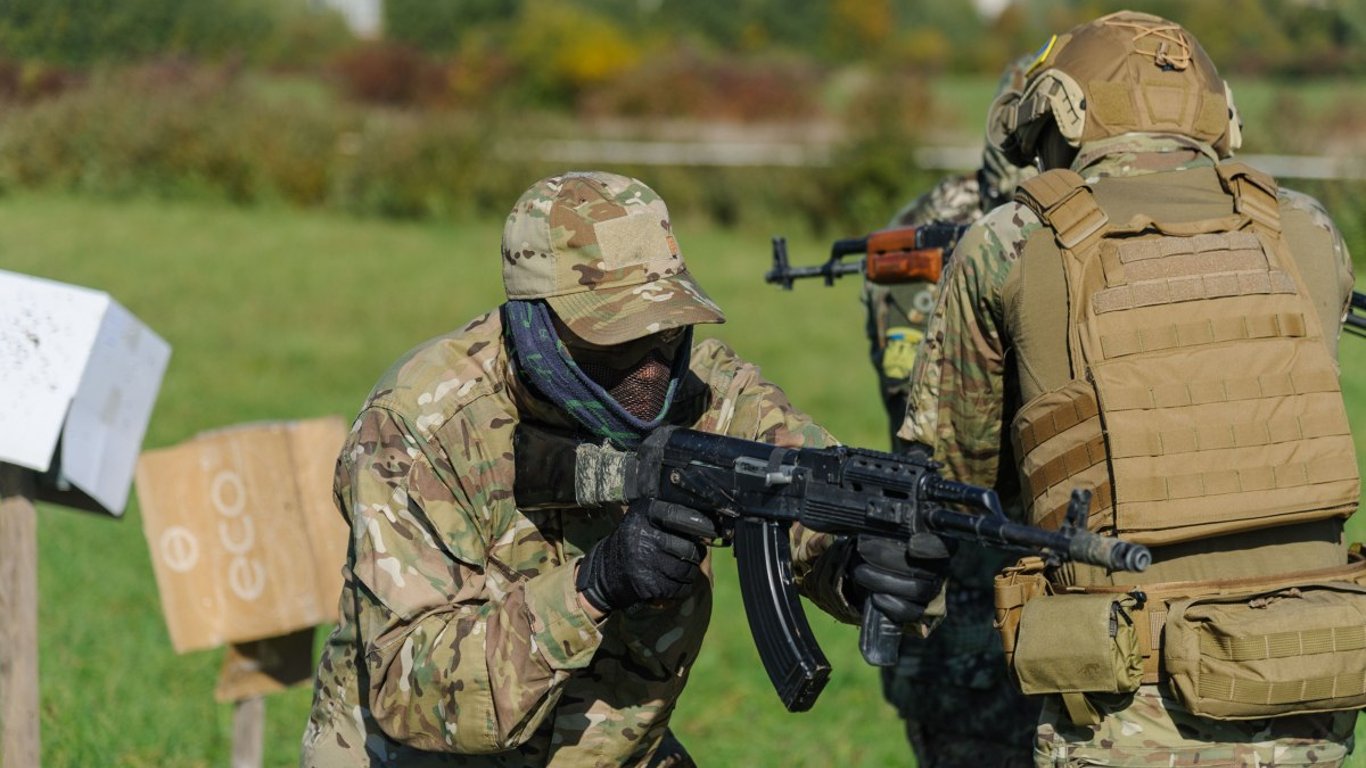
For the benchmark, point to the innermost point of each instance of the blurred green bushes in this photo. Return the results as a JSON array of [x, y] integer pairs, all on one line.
[[81, 33], [177, 130], [256, 101], [1258, 37]]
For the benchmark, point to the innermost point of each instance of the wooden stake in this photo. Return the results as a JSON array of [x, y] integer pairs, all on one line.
[[248, 732], [19, 744]]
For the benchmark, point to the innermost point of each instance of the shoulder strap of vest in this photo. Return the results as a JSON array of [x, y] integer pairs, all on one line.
[[1064, 202], [1254, 194]]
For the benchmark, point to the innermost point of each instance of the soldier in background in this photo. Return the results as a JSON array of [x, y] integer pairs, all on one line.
[[952, 688], [475, 632], [898, 313], [1160, 328]]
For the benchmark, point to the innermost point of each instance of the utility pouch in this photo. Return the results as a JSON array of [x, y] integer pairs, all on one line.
[[1288, 651], [1075, 644], [1013, 587]]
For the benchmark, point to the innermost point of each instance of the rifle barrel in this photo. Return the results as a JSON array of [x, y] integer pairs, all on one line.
[[1356, 314]]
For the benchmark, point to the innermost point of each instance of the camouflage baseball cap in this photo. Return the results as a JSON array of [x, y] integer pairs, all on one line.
[[599, 249]]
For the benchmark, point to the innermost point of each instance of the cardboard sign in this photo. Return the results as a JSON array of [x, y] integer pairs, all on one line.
[[245, 540], [75, 365]]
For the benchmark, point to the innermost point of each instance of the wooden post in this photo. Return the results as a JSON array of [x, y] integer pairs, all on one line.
[[248, 732], [19, 744]]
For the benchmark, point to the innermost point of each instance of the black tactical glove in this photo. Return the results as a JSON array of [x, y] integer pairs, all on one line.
[[653, 554], [900, 579]]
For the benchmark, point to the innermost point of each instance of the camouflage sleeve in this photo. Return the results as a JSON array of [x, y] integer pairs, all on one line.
[[754, 408], [953, 198], [1342, 258], [454, 665], [957, 388]]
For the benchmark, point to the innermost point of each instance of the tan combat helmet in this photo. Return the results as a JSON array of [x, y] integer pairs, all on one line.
[[599, 249], [1122, 73]]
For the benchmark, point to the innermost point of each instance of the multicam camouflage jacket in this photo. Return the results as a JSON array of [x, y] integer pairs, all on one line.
[[951, 688], [462, 641], [958, 400], [954, 198]]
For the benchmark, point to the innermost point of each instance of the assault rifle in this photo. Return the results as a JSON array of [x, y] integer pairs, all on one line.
[[894, 255], [1356, 317], [755, 491]]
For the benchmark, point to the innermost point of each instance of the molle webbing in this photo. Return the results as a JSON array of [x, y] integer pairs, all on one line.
[[1121, 342], [1241, 690], [1067, 424], [1203, 400], [1171, 269]]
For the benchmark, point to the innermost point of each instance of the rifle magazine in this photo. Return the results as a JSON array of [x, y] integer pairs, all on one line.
[[788, 649]]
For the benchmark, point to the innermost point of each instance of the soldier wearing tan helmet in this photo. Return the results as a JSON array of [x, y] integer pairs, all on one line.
[[479, 632], [1159, 325]]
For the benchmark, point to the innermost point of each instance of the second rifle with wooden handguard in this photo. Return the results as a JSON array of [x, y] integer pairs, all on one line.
[[895, 255], [755, 491]]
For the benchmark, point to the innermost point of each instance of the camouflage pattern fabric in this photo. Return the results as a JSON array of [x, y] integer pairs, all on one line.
[[897, 314], [1148, 729], [599, 248], [951, 688], [961, 399], [461, 640]]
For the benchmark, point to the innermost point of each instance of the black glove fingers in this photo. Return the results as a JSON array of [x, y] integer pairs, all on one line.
[[927, 546], [680, 573], [899, 611], [888, 554], [684, 521], [920, 587], [925, 550], [676, 547], [641, 561]]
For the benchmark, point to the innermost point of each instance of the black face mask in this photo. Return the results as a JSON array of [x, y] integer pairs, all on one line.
[[544, 360], [640, 386]]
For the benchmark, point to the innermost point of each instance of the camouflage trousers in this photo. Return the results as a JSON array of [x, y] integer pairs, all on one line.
[[954, 693], [1148, 729]]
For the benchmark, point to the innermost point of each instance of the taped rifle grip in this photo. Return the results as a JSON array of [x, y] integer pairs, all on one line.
[[879, 639]]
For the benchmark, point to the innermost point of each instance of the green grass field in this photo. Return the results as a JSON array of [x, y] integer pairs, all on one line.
[[276, 314]]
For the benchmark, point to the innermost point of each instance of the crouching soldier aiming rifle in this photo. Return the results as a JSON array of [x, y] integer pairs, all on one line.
[[897, 505]]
